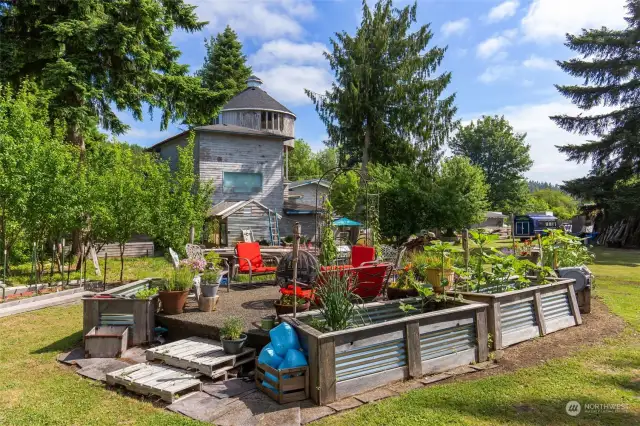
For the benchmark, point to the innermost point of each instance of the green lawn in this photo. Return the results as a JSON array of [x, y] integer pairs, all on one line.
[[36, 390]]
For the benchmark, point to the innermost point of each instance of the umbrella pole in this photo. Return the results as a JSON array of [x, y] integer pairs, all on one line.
[[296, 242]]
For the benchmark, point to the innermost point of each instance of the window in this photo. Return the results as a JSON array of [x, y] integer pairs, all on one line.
[[275, 121], [270, 120], [522, 228], [263, 121], [282, 122], [241, 183]]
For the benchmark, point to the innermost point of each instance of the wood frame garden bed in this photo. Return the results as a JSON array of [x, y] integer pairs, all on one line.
[[395, 346], [519, 315]]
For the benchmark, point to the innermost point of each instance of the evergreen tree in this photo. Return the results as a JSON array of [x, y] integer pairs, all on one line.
[[385, 106], [302, 162], [491, 144], [225, 69], [93, 55], [609, 65]]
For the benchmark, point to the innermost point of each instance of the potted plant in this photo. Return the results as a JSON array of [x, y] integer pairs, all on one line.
[[173, 295], [210, 282], [439, 269], [285, 304], [232, 336], [404, 286]]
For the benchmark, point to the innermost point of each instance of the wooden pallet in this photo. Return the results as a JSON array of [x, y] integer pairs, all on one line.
[[154, 379], [203, 355]]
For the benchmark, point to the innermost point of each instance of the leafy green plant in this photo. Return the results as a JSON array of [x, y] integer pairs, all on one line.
[[337, 299], [182, 280], [146, 293], [210, 276], [213, 258], [328, 249], [232, 328], [560, 249], [406, 308]]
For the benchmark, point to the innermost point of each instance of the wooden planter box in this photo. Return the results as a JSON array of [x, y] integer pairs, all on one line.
[[519, 315], [106, 342], [120, 310], [292, 384], [392, 346]]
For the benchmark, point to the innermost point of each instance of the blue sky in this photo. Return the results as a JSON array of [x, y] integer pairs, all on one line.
[[501, 54]]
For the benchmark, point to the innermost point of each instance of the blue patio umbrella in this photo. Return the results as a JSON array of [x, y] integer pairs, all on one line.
[[345, 221]]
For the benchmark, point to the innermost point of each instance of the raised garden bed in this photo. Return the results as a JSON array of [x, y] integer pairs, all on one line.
[[519, 315], [386, 344], [119, 307]]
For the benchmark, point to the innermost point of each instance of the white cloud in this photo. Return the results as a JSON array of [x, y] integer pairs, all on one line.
[[286, 83], [550, 20], [277, 51], [455, 27], [265, 19], [497, 72], [538, 63], [503, 11], [492, 46], [543, 134]]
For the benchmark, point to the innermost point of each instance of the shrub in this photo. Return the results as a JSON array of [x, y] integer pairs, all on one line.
[[232, 328]]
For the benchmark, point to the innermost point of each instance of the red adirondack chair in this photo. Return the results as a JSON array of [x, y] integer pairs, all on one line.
[[250, 261]]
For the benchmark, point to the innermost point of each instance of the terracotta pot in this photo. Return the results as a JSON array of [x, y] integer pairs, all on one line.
[[288, 309], [401, 293], [434, 277], [173, 301]]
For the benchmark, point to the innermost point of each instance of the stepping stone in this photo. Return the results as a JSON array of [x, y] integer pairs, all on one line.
[[484, 365], [72, 356], [287, 417], [345, 404], [374, 395], [310, 412], [402, 387], [249, 409], [136, 354], [99, 370], [229, 388], [435, 378], [199, 406], [89, 362], [463, 369]]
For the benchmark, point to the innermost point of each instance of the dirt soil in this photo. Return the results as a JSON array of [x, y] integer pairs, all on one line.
[[596, 326]]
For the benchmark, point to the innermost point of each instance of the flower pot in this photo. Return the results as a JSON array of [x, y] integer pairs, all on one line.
[[173, 301], [288, 309], [268, 322], [233, 347], [401, 293], [434, 277], [209, 289]]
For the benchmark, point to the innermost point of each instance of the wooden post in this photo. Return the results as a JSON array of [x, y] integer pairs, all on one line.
[[465, 247], [104, 281], [327, 370], [495, 325], [482, 334], [192, 234], [537, 304], [414, 360], [513, 232], [296, 243], [573, 303]]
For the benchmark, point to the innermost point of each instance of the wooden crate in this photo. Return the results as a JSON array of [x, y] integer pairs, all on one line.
[[292, 384], [390, 346], [106, 342]]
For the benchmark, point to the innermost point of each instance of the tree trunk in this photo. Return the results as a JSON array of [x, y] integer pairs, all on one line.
[[121, 261], [75, 137]]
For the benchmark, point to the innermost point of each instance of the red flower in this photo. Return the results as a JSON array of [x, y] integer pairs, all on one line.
[[302, 294]]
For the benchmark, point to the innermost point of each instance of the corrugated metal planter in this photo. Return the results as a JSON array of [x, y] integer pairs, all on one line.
[[519, 315], [122, 310], [387, 345]]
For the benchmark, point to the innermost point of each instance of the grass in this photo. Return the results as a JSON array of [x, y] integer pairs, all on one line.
[[36, 390], [134, 269]]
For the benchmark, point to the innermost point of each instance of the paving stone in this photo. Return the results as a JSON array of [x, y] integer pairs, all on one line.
[[310, 412], [99, 370], [286, 417], [374, 395], [435, 378], [345, 404], [463, 369], [483, 365], [200, 406], [229, 388], [249, 409], [89, 362], [135, 354], [402, 387], [72, 356]]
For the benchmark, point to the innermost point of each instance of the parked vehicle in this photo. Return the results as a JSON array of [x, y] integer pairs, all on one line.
[[529, 225]]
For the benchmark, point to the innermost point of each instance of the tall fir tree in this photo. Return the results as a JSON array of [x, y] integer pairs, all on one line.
[[609, 65], [386, 104], [225, 68], [93, 55]]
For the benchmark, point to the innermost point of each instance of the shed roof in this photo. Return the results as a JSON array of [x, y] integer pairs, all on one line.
[[255, 98], [299, 183], [300, 208], [225, 209]]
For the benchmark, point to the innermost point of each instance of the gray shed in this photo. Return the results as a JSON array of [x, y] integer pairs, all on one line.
[[237, 216]]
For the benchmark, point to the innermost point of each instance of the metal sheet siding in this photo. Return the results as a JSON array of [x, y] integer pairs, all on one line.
[[257, 221], [448, 341], [378, 314], [518, 316], [556, 306], [370, 359]]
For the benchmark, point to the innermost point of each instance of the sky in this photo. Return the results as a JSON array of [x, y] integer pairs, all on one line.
[[501, 54]]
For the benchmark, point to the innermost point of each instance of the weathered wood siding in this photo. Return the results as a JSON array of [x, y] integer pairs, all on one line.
[[307, 224], [250, 217], [220, 153], [308, 193], [131, 249], [252, 120]]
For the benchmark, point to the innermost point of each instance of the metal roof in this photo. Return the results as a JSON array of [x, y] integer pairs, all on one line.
[[299, 183], [255, 98]]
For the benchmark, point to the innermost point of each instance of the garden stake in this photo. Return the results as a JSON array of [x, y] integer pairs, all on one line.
[[4, 269], [69, 269], [33, 265], [104, 281], [62, 265], [296, 242]]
